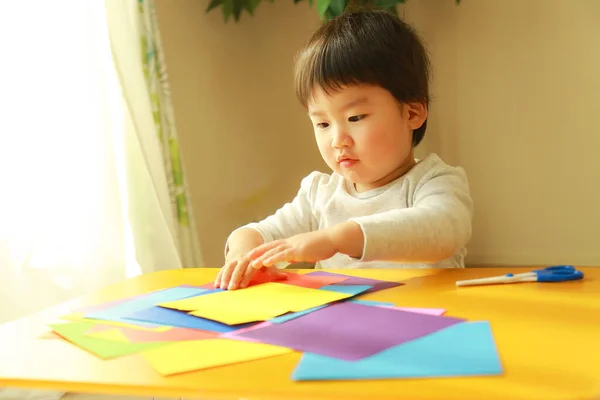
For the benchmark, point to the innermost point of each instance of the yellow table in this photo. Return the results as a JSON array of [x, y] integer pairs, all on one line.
[[548, 335]]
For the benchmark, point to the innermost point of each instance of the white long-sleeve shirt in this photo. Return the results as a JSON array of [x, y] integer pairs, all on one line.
[[420, 220]]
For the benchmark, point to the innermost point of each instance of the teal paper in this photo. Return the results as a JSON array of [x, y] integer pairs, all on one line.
[[372, 303], [349, 289], [120, 311], [287, 317], [463, 349]]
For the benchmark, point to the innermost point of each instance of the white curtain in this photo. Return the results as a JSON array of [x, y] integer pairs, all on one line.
[[81, 189]]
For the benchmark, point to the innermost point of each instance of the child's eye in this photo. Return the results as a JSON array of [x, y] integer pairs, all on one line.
[[356, 118], [322, 125]]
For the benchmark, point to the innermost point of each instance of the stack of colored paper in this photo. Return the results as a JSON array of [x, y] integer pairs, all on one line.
[[190, 328]]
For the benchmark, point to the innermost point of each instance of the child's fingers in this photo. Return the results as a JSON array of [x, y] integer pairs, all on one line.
[[262, 249], [217, 282], [248, 275], [238, 273], [283, 255], [226, 273], [260, 261]]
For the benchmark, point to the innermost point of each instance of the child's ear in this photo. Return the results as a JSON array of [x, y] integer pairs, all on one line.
[[416, 114]]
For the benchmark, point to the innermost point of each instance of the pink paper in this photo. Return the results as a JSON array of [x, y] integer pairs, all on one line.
[[428, 311], [232, 334]]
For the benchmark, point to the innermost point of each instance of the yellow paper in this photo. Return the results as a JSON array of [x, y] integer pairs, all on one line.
[[256, 303], [110, 334], [195, 355], [81, 318]]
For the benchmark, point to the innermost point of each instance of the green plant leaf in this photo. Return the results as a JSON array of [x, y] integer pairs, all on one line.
[[337, 6], [213, 4], [322, 6], [251, 5], [227, 9], [238, 6]]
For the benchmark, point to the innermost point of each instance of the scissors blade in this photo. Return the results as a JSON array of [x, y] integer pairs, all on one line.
[[508, 278]]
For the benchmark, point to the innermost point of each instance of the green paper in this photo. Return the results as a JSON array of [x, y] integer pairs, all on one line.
[[105, 349]]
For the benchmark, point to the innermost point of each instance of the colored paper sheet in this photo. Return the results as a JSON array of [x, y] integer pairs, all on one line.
[[256, 303], [349, 289], [292, 278], [429, 311], [118, 312], [235, 335], [355, 280], [113, 334], [290, 316], [172, 335], [195, 355], [464, 349], [104, 306], [105, 349], [314, 282], [180, 319], [372, 303], [138, 336], [103, 325], [350, 331]]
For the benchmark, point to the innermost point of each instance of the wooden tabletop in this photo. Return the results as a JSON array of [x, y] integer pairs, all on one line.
[[548, 337]]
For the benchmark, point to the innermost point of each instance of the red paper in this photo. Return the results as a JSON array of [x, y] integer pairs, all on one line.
[[314, 282]]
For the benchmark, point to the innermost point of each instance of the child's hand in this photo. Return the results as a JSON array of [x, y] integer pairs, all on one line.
[[237, 272], [305, 247]]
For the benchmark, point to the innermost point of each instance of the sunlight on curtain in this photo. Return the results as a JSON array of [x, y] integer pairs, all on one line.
[[63, 223]]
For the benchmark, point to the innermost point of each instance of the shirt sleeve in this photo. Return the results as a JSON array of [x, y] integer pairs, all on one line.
[[293, 218], [432, 230]]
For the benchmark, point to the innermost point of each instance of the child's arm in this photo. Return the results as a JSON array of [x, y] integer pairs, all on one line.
[[435, 228]]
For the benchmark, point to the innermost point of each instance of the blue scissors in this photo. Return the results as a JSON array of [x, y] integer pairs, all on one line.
[[557, 273]]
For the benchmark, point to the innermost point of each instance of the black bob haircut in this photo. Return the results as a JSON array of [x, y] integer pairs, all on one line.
[[365, 47]]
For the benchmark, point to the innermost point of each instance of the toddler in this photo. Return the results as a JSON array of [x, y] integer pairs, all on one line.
[[364, 79]]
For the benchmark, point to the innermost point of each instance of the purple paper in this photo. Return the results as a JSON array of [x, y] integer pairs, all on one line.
[[349, 331], [356, 280]]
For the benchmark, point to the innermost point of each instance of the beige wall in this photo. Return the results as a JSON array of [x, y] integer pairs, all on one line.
[[245, 140], [517, 87], [516, 102]]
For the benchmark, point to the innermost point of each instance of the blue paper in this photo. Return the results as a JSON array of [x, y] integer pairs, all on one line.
[[351, 289], [166, 316], [119, 311], [287, 317], [463, 349], [343, 289]]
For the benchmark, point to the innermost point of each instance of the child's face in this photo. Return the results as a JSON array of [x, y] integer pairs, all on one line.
[[364, 134]]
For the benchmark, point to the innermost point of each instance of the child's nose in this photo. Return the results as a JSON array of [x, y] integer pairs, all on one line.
[[340, 138]]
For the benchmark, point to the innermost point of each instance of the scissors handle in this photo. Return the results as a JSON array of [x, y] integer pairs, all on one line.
[[558, 273]]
